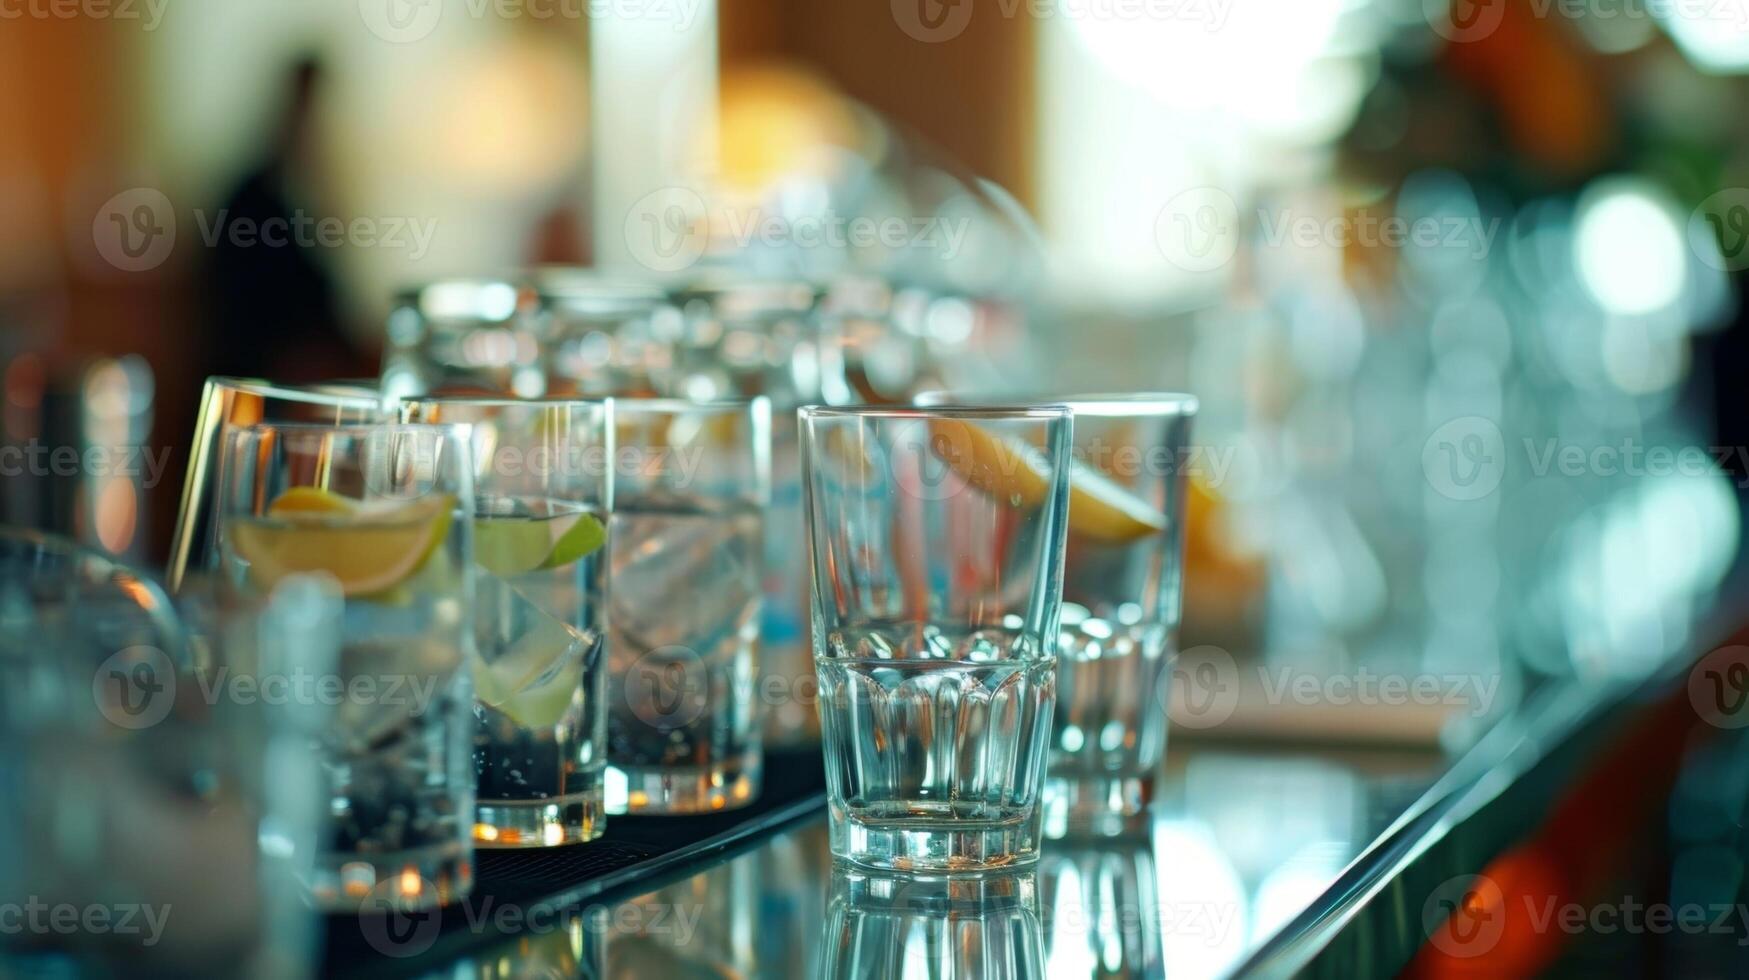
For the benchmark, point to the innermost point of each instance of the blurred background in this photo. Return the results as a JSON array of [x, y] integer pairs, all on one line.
[[1457, 284]]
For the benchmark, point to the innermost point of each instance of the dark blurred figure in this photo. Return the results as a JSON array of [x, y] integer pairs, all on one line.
[[275, 313]]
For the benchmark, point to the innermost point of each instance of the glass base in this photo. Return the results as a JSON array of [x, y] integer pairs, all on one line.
[[935, 845], [552, 822], [670, 790], [1096, 805], [407, 881]]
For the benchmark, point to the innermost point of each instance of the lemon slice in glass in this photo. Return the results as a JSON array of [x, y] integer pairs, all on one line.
[[368, 548], [1099, 508], [512, 545]]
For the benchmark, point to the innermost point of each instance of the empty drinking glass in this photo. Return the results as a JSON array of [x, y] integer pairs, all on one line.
[[383, 514], [937, 545], [685, 544], [1122, 583], [543, 486]]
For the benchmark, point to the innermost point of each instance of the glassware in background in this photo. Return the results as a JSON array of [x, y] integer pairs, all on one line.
[[552, 332], [1102, 908], [140, 792], [953, 928], [764, 337], [685, 547], [607, 336], [1122, 586], [543, 486], [384, 512], [937, 543], [230, 403]]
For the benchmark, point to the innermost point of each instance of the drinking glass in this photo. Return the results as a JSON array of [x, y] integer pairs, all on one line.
[[691, 484], [230, 403], [1122, 586], [956, 928], [937, 544], [136, 793], [383, 514], [543, 484], [764, 337]]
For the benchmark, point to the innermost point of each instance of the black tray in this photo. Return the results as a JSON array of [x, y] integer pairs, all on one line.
[[634, 856]]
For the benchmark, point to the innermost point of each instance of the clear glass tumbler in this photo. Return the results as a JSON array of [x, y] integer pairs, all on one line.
[[1122, 586], [691, 484], [543, 481], [383, 514], [937, 543]]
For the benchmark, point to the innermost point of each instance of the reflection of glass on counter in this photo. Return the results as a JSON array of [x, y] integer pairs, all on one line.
[[984, 927], [705, 926], [1101, 909]]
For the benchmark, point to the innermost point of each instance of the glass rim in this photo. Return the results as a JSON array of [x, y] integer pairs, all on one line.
[[505, 401], [677, 406], [353, 429], [1095, 404], [321, 393], [992, 412]]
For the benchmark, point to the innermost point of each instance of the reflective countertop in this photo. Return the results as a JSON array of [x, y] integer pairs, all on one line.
[[1242, 840]]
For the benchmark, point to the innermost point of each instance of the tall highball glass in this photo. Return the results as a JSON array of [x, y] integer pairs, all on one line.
[[937, 543], [543, 478], [686, 542], [382, 514]]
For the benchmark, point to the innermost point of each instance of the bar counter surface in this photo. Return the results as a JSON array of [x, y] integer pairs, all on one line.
[[1260, 858]]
